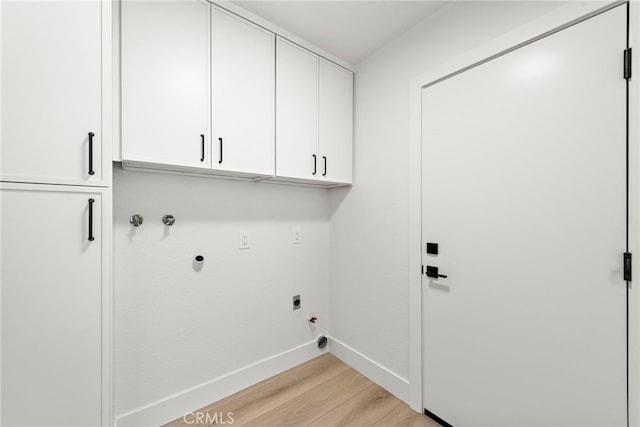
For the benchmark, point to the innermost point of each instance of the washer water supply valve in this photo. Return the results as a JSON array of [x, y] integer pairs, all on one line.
[[136, 220], [168, 220], [312, 319]]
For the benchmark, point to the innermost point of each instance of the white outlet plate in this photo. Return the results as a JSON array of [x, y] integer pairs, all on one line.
[[243, 240], [296, 235]]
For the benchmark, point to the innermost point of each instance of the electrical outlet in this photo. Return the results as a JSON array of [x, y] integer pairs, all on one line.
[[243, 240], [297, 302], [296, 235]]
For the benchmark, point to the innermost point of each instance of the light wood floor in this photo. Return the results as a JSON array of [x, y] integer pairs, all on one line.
[[321, 392]]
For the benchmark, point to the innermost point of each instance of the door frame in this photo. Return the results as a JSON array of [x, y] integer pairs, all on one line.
[[558, 19]]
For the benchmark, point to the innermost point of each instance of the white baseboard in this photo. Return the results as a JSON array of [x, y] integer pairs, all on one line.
[[377, 373], [173, 407]]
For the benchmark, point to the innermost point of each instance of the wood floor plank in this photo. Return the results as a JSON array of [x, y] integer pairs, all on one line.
[[363, 409], [323, 392], [272, 392], [314, 402], [403, 416]]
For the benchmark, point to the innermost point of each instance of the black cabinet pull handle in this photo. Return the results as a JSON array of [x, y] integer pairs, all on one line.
[[315, 168], [220, 161], [325, 165], [91, 135], [202, 147], [91, 238]]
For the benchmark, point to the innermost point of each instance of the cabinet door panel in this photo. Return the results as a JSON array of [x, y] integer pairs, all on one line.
[[243, 86], [51, 307], [51, 83], [296, 111], [335, 122], [165, 82]]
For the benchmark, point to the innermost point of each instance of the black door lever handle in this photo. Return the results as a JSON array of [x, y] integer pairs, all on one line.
[[433, 273]]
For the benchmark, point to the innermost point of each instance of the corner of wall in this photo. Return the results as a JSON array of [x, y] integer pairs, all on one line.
[[377, 373]]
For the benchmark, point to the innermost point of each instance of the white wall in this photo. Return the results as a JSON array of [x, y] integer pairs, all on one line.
[[369, 284], [177, 328]]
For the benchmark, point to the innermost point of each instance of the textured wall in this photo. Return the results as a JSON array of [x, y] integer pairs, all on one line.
[[369, 225], [176, 327]]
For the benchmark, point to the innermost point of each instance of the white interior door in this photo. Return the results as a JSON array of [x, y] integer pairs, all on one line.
[[524, 191]]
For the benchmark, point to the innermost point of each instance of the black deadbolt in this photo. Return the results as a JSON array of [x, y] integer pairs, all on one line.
[[432, 248]]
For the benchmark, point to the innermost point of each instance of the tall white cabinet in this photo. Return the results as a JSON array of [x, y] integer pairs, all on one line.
[[314, 115], [53, 257], [55, 214]]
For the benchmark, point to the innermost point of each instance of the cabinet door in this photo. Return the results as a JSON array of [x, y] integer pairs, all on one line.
[[296, 112], [335, 122], [242, 87], [165, 82], [51, 306], [51, 83]]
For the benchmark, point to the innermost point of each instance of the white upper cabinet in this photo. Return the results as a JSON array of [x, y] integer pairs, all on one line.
[[314, 110], [242, 95], [165, 82], [296, 112], [51, 120], [335, 119], [206, 91]]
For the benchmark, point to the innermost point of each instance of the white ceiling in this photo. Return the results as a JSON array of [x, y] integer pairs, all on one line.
[[350, 30]]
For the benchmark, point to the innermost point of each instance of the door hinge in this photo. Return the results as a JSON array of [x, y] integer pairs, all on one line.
[[627, 266], [627, 63]]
